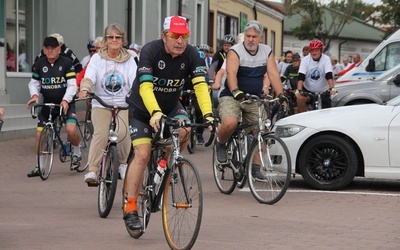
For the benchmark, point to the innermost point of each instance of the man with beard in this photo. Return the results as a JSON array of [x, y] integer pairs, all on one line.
[[246, 64]]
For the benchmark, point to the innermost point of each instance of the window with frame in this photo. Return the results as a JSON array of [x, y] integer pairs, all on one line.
[[273, 41], [226, 25], [19, 34]]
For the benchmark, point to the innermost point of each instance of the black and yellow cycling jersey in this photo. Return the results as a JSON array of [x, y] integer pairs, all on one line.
[[53, 78], [160, 79]]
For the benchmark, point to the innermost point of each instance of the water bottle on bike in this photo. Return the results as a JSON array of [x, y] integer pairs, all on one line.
[[160, 171]]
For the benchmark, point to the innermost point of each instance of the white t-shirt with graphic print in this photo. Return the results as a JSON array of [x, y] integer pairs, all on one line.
[[315, 73]]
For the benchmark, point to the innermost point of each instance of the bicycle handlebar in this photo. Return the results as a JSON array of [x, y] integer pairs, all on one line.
[[51, 105], [103, 103], [176, 123], [254, 98], [188, 91]]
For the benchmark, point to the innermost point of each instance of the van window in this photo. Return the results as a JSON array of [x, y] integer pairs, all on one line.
[[388, 57]]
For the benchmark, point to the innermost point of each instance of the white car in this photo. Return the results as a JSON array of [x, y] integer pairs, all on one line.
[[329, 147]]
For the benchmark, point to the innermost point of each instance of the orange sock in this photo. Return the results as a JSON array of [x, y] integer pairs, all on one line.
[[131, 206]]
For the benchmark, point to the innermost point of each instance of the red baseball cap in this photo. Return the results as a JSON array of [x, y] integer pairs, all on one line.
[[176, 24]]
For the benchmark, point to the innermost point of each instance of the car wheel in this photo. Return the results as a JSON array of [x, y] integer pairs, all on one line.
[[328, 162]]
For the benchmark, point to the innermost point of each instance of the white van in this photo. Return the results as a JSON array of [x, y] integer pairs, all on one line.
[[384, 57]]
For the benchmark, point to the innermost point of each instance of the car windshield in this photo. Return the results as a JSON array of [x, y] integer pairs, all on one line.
[[389, 73]]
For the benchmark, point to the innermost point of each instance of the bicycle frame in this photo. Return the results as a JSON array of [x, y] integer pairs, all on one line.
[[154, 193], [56, 132], [172, 160]]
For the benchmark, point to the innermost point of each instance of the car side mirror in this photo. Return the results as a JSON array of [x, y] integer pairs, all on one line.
[[371, 65], [396, 80]]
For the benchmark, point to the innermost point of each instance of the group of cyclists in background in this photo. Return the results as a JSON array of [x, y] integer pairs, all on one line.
[[150, 82]]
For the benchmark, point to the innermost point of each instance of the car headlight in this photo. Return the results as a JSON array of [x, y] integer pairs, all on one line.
[[288, 130]]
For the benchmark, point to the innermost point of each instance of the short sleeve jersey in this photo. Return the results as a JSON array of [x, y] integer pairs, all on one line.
[[315, 72], [53, 78], [252, 68], [167, 74]]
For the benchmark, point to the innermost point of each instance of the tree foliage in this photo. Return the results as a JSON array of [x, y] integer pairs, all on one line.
[[314, 17], [388, 15]]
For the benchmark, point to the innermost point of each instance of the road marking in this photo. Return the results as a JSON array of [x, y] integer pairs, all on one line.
[[342, 192], [332, 192]]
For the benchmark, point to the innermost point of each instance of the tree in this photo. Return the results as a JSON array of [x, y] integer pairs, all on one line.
[[388, 15], [324, 22]]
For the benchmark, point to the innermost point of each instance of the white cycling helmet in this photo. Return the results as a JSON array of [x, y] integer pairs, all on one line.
[[229, 39], [204, 47]]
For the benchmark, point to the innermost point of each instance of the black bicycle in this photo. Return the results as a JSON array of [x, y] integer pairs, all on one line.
[[51, 137], [178, 194]]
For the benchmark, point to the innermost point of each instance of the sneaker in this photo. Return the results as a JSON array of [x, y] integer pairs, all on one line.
[[132, 221], [200, 140], [122, 172], [90, 177], [76, 162], [222, 156], [34, 172], [256, 173]]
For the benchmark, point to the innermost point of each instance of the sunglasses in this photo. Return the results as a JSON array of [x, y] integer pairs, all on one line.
[[92, 51], [253, 25], [110, 37], [174, 36]]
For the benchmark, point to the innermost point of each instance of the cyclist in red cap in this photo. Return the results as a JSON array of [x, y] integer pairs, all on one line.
[[315, 76], [165, 65]]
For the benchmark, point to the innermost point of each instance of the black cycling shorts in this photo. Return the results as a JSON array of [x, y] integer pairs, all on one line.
[[140, 129]]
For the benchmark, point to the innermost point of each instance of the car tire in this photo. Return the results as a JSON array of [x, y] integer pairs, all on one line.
[[328, 162]]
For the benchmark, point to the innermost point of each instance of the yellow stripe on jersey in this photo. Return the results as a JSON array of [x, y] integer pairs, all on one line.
[[148, 97], [70, 74], [203, 97]]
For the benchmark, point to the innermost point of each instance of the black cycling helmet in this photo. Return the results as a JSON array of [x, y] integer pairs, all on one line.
[[229, 39], [296, 56], [91, 45]]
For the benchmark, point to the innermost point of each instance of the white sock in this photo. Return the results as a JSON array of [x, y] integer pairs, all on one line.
[[76, 150]]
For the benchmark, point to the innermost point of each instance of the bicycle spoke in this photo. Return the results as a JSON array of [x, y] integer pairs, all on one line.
[[45, 152], [182, 206], [269, 180]]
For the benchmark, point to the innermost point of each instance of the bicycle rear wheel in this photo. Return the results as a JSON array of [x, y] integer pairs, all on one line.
[[85, 134], [143, 204], [45, 152], [108, 182], [193, 134], [181, 222], [223, 174], [269, 182]]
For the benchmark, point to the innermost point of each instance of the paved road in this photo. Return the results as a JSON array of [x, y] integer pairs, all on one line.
[[61, 213]]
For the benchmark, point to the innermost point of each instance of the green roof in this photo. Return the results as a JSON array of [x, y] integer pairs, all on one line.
[[353, 30]]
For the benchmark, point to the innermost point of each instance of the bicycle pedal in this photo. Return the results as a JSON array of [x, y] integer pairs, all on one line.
[[92, 184]]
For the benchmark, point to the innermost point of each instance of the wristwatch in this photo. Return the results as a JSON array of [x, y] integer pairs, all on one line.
[[297, 91]]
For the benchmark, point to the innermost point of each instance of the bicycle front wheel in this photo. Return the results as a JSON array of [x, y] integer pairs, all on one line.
[[108, 182], [85, 134], [45, 152], [268, 180], [182, 206]]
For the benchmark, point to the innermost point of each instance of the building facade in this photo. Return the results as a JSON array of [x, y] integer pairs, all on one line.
[[25, 23]]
